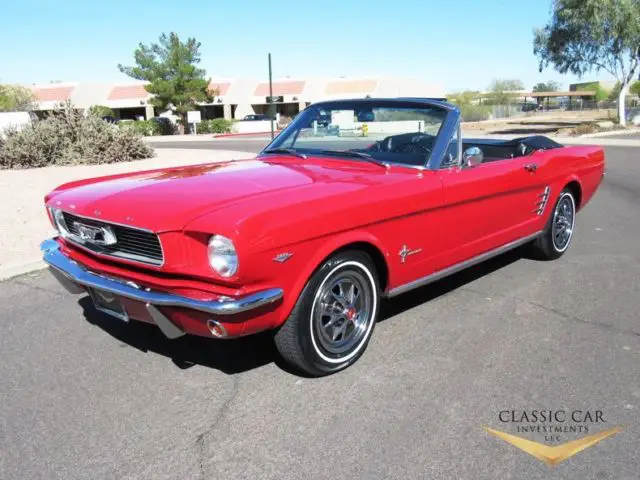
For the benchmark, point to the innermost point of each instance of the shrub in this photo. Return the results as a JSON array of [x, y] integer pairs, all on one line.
[[148, 128], [69, 138], [217, 125], [14, 98], [475, 113], [284, 121], [100, 111]]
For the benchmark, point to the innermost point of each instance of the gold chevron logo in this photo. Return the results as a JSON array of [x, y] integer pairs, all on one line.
[[553, 455]]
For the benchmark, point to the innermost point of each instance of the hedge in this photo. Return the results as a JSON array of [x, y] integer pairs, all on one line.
[[217, 125]]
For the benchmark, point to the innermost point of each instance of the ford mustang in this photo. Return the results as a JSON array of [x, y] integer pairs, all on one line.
[[354, 202]]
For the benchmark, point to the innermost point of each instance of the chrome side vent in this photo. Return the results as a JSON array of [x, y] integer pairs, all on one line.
[[541, 203]]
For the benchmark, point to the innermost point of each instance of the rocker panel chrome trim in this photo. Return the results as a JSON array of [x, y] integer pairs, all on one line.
[[460, 266]]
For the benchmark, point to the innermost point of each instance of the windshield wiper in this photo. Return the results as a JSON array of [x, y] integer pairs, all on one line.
[[290, 151], [353, 153]]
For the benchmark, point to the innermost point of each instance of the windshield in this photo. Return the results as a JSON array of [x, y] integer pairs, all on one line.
[[387, 131]]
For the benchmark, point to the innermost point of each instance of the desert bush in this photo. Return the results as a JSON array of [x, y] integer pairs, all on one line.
[[67, 137], [148, 128], [475, 113], [217, 125]]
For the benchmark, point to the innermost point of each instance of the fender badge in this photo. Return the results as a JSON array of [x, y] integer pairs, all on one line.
[[282, 257], [405, 252]]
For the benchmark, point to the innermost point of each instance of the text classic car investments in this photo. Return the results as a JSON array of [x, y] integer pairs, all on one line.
[[355, 201]]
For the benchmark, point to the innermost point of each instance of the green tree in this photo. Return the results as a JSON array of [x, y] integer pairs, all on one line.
[[635, 88], [101, 111], [501, 90], [614, 93], [170, 67], [584, 35], [465, 97], [14, 98], [550, 86]]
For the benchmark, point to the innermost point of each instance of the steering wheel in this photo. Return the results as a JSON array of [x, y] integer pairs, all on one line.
[[413, 146]]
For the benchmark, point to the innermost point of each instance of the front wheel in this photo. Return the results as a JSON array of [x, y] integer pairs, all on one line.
[[558, 232], [333, 320]]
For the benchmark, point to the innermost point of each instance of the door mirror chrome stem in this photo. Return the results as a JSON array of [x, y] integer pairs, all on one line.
[[472, 157]]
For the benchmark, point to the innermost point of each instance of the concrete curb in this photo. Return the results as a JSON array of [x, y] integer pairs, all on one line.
[[17, 269], [251, 134], [201, 137]]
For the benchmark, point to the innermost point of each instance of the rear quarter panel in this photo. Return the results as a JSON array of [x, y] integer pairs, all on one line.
[[584, 165]]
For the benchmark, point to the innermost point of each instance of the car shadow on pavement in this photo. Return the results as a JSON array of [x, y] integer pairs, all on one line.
[[397, 305], [247, 353], [228, 356]]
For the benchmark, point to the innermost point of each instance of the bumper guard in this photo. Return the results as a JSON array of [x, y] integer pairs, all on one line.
[[74, 276]]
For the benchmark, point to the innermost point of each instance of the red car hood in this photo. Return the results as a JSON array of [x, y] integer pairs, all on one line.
[[165, 200]]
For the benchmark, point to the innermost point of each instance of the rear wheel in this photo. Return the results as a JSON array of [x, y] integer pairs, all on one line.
[[333, 320], [557, 235]]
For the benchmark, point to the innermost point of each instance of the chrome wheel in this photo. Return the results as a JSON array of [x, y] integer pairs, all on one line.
[[342, 312], [563, 222]]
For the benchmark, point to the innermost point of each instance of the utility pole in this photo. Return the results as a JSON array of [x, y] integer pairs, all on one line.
[[271, 97]]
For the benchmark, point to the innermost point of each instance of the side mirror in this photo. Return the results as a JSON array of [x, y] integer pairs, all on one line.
[[472, 157]]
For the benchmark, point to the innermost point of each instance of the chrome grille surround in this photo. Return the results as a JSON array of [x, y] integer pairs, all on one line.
[[132, 243]]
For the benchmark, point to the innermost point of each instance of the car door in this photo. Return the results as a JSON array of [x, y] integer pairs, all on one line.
[[488, 205]]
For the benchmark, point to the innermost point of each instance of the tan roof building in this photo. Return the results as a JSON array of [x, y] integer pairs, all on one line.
[[235, 98]]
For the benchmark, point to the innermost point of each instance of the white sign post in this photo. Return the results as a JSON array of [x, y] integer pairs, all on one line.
[[194, 117]]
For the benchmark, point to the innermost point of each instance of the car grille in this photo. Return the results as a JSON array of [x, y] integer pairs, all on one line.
[[132, 243]]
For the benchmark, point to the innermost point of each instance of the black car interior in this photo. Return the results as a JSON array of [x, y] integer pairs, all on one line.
[[414, 148], [495, 150]]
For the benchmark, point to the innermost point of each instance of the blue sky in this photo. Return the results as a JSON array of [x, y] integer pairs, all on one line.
[[461, 44]]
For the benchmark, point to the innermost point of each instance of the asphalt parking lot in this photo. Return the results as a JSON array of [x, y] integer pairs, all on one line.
[[85, 396]]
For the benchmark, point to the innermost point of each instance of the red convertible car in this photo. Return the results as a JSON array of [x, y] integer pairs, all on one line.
[[355, 201]]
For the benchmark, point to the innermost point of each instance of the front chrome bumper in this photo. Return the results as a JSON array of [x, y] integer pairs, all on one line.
[[74, 276]]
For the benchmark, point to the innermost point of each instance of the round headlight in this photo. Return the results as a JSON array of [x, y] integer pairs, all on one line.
[[222, 256], [58, 220]]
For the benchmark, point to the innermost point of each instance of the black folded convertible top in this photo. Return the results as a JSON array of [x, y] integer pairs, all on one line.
[[534, 142], [539, 142]]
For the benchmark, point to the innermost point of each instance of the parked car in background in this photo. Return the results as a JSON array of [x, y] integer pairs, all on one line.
[[531, 107], [307, 238], [110, 119], [633, 115], [256, 117]]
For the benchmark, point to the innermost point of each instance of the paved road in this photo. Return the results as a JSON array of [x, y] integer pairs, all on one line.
[[84, 396], [242, 144], [628, 136]]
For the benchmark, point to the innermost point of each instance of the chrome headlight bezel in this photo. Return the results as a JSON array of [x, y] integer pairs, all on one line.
[[58, 221], [222, 256]]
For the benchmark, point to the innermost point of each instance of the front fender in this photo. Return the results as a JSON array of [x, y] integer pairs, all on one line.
[[316, 252]]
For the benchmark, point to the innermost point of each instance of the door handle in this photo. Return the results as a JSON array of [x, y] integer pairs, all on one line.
[[531, 167]]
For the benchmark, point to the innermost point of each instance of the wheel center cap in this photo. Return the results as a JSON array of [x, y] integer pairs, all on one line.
[[351, 313]]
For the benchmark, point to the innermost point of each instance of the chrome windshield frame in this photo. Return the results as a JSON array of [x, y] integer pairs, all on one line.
[[448, 128]]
